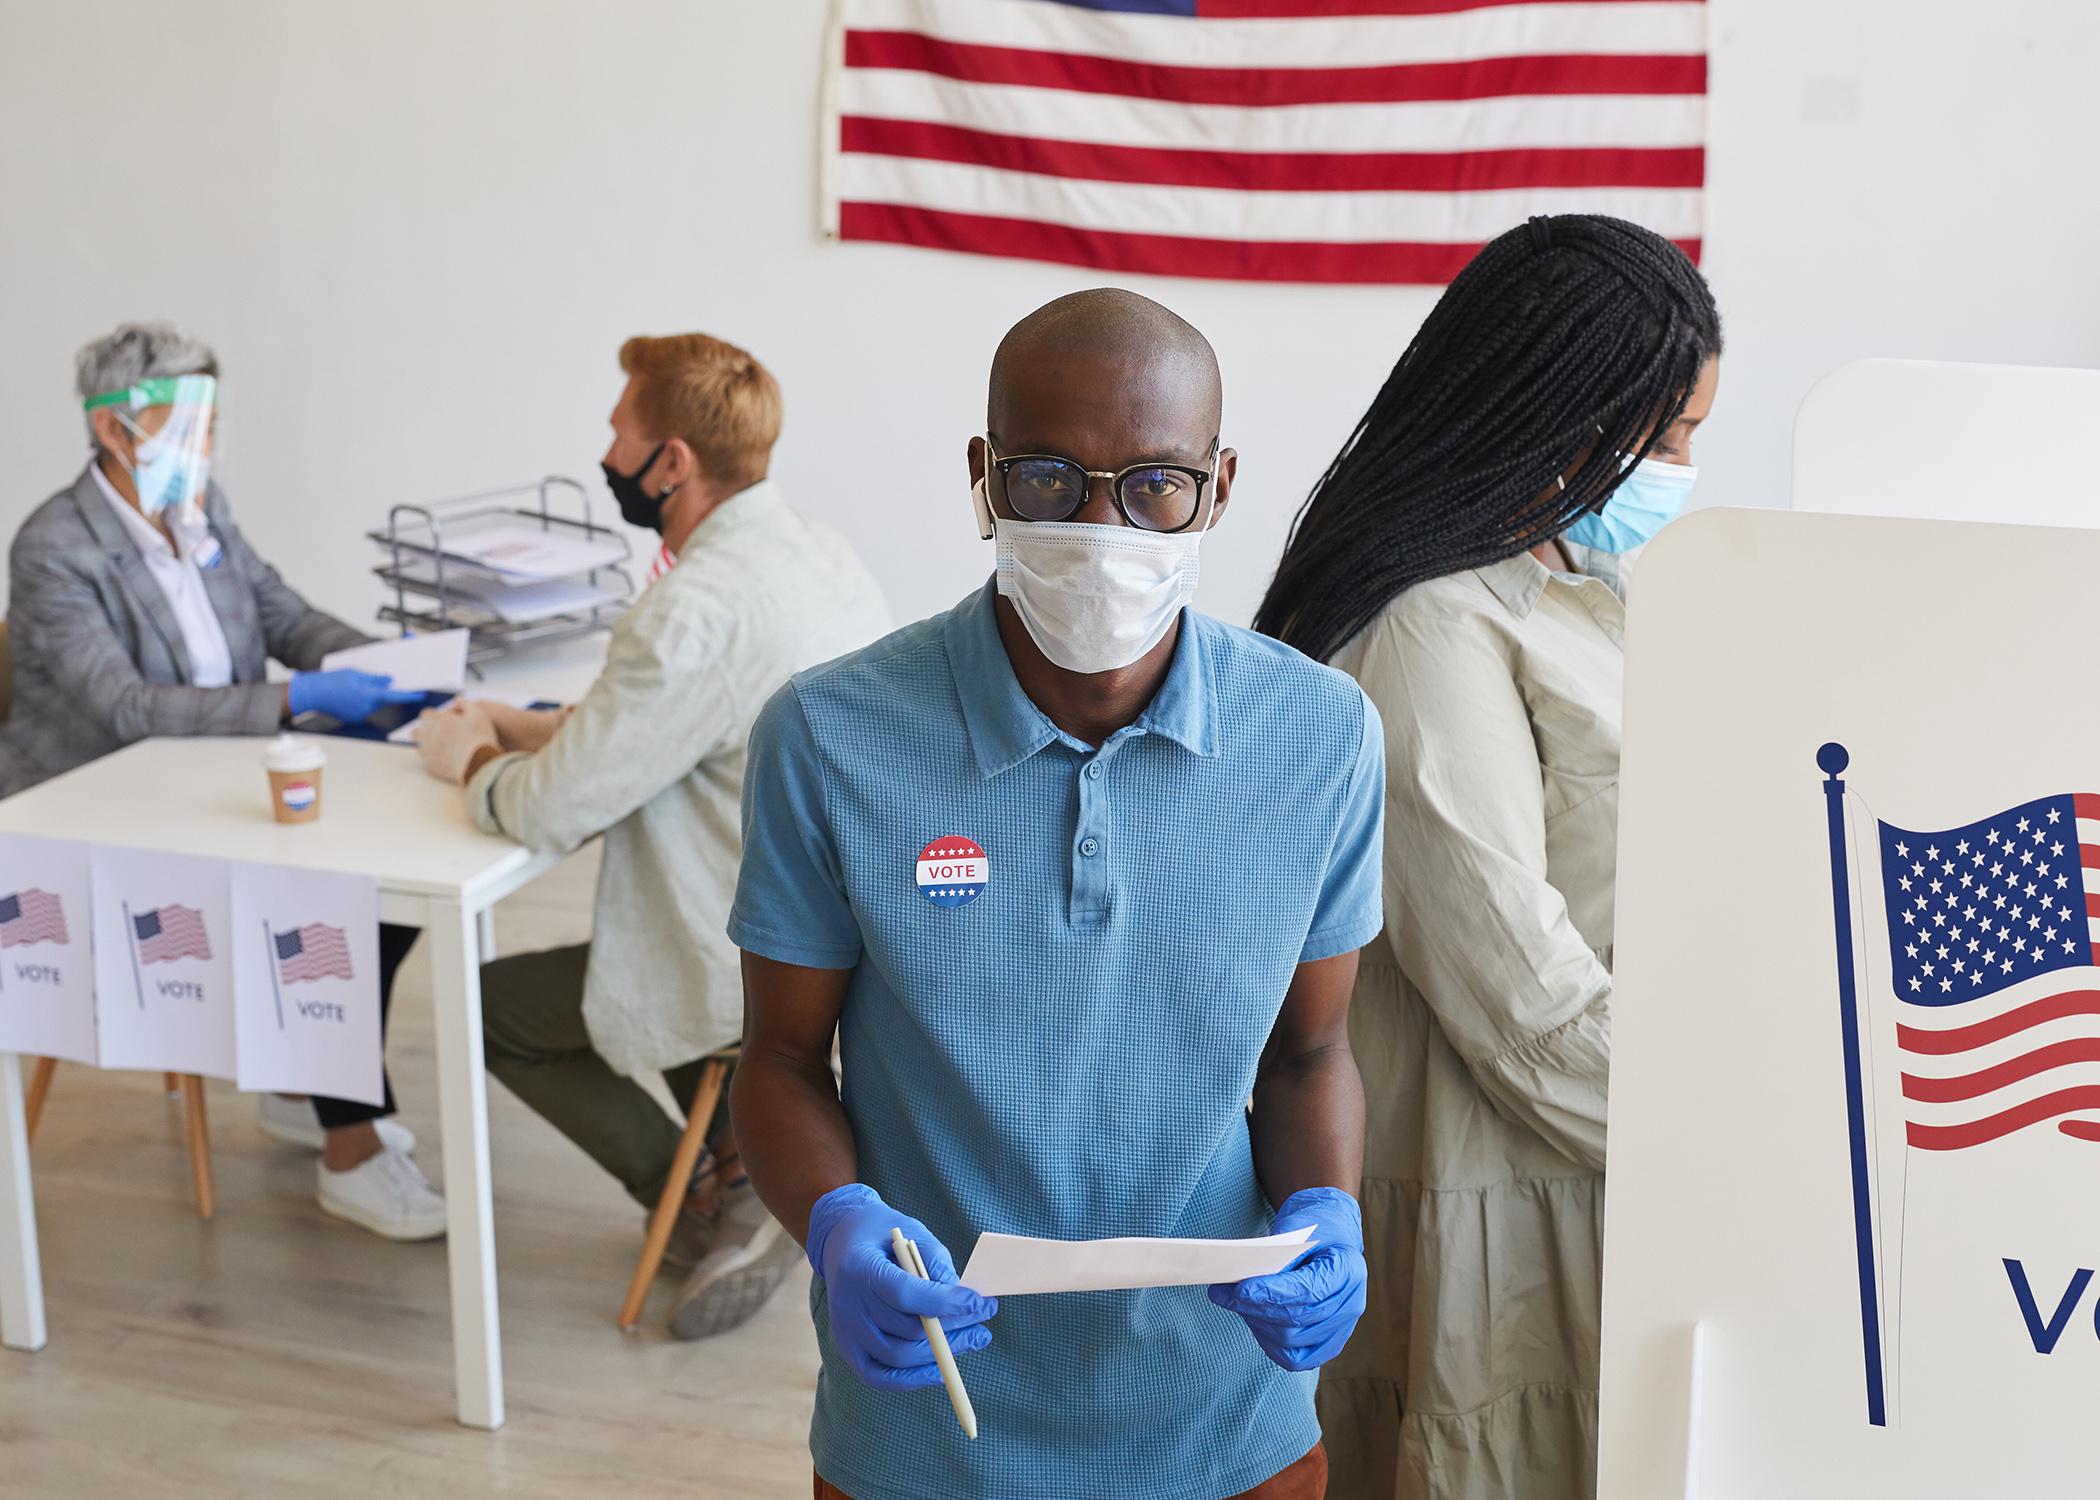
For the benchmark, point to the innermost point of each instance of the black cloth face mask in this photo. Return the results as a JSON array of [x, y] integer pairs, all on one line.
[[637, 506]]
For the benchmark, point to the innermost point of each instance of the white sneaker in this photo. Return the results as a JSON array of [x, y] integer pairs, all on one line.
[[386, 1194], [292, 1121], [750, 1259]]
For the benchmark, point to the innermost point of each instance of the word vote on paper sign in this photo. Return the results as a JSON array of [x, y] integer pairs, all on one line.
[[1266, 140]]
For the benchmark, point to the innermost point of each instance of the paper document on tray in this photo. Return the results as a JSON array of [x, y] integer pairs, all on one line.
[[527, 551], [515, 600], [1007, 1265], [435, 663]]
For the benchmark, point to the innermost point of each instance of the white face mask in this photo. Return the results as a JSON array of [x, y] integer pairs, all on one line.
[[1095, 598]]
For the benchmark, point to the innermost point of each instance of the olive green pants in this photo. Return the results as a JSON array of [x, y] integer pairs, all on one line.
[[533, 1033]]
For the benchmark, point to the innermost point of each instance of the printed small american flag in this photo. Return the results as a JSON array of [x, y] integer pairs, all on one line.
[[170, 932], [32, 916], [1277, 140], [1994, 962], [315, 951]]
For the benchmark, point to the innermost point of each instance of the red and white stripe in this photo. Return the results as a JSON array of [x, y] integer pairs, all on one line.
[[42, 920], [182, 935], [323, 953], [2025, 1056], [1374, 147]]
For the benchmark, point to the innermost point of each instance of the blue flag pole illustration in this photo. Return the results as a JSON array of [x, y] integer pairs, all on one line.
[[1832, 759], [276, 985], [131, 946]]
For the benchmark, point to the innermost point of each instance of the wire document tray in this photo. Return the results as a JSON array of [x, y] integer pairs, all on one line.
[[513, 566]]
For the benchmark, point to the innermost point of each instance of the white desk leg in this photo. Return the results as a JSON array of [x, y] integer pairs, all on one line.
[[21, 1270], [485, 926], [477, 1336]]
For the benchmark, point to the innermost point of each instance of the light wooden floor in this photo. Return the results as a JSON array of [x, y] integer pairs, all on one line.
[[276, 1352]]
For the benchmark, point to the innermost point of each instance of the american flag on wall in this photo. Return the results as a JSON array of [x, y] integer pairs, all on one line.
[[1271, 140]]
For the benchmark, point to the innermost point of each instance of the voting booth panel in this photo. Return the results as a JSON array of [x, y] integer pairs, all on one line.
[[1855, 1112], [1950, 442]]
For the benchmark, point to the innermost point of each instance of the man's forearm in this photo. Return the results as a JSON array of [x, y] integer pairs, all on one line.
[[1308, 1124], [792, 1134]]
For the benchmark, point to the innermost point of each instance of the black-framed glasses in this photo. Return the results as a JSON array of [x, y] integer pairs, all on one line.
[[1151, 496]]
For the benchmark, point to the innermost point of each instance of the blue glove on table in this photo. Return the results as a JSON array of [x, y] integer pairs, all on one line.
[[1303, 1314], [876, 1304], [344, 694]]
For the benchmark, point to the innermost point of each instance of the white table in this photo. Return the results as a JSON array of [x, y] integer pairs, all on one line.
[[381, 816]]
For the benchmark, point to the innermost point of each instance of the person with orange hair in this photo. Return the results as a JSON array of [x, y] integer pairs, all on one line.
[[652, 759]]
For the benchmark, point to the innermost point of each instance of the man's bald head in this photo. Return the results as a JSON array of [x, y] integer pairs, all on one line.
[[1101, 352]]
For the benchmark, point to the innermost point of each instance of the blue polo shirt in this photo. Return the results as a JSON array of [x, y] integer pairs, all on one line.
[[1066, 960]]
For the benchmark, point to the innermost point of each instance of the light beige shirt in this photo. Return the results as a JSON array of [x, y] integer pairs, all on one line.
[[653, 759], [203, 638], [1482, 1024]]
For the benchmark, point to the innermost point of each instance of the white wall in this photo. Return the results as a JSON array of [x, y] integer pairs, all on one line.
[[418, 232]]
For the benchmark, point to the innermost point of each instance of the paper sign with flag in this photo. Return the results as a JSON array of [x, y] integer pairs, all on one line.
[[163, 986], [47, 983], [306, 961]]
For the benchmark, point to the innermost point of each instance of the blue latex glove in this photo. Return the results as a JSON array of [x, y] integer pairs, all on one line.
[[876, 1304], [344, 694], [1303, 1314]]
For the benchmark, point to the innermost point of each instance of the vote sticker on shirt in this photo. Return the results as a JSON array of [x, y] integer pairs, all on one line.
[[207, 554], [953, 871]]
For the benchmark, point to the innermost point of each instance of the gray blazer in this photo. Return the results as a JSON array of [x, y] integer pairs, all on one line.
[[99, 659]]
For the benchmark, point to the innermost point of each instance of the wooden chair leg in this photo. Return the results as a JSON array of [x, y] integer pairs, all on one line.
[[39, 1088], [705, 1097], [199, 1130], [171, 1084]]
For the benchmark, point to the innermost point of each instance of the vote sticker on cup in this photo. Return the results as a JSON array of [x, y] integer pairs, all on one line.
[[953, 871]]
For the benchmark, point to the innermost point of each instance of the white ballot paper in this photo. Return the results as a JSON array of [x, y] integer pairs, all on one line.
[[47, 977], [163, 984], [306, 972], [435, 663], [1008, 1265]]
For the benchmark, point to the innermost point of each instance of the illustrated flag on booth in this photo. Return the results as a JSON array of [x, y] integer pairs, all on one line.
[[170, 932], [1975, 1026], [31, 916], [1997, 977], [315, 951], [1271, 140]]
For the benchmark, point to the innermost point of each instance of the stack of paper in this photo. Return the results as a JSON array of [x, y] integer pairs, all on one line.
[[526, 552], [516, 601]]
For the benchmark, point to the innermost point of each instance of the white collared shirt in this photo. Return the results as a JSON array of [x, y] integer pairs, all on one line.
[[653, 758], [211, 663]]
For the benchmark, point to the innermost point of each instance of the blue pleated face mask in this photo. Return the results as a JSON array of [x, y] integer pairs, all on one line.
[[1646, 501]]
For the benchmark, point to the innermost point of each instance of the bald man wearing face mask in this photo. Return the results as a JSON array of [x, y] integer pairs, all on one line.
[[1072, 871]]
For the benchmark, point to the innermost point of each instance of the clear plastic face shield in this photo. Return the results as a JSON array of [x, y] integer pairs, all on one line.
[[170, 422]]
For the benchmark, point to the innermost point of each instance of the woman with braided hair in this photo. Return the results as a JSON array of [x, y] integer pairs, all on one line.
[[1462, 559]]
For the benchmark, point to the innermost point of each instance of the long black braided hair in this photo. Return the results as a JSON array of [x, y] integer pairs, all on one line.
[[1565, 343]]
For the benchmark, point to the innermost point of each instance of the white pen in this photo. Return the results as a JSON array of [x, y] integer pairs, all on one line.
[[908, 1257]]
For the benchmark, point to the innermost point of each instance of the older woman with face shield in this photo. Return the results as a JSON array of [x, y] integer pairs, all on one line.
[[136, 608]]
